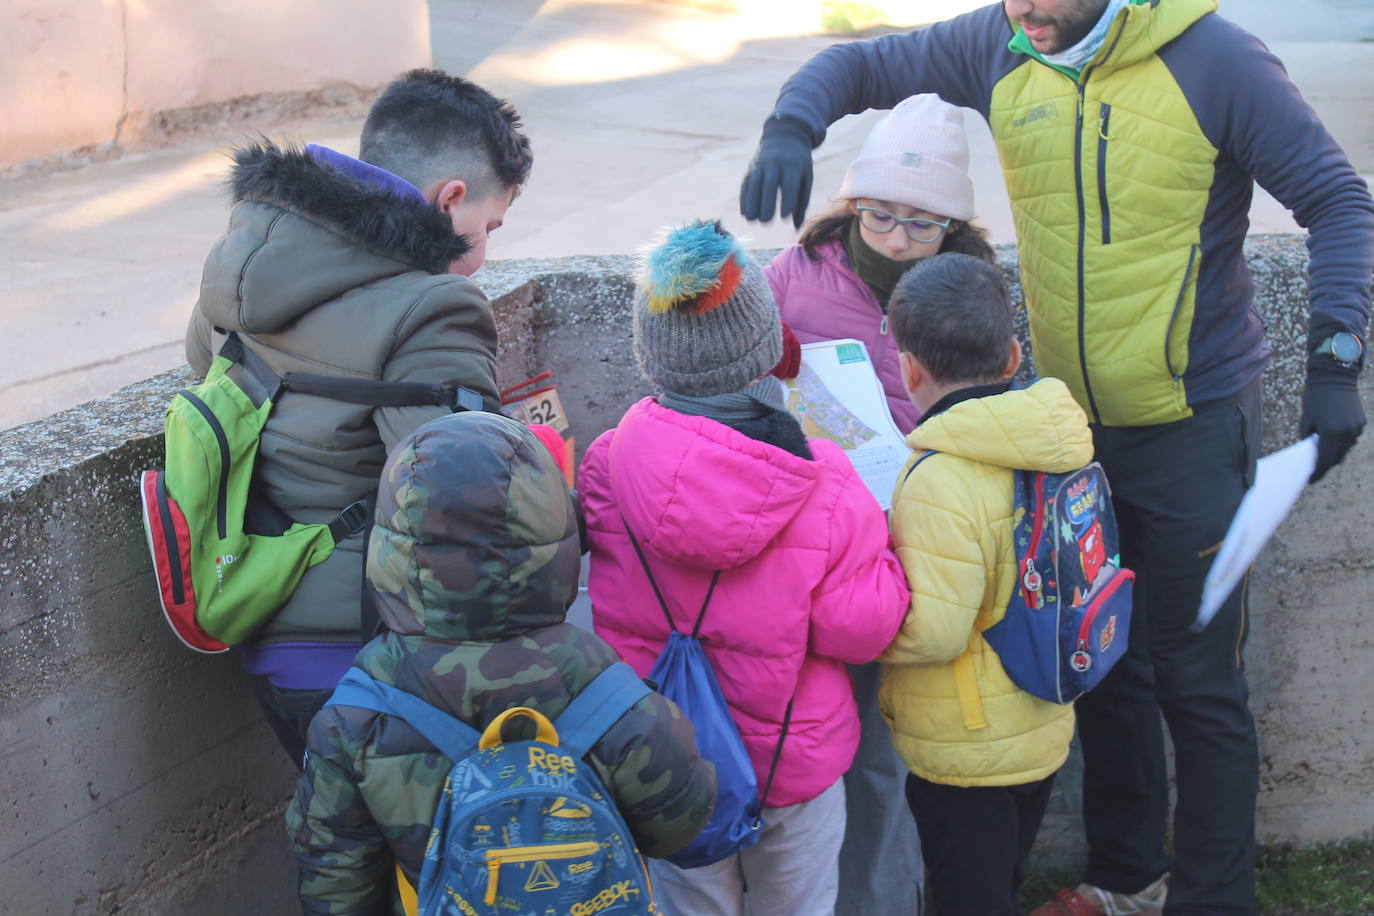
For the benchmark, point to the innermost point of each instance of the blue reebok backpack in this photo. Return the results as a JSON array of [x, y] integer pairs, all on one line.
[[523, 826], [1069, 617], [684, 675]]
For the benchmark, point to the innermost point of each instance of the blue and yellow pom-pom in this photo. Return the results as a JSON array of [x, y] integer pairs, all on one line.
[[696, 266]]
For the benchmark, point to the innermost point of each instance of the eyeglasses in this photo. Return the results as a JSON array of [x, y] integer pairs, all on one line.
[[918, 228]]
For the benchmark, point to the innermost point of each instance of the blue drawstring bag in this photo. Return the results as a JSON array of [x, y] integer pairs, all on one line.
[[684, 675]]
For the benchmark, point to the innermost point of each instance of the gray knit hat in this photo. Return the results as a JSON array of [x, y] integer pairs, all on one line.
[[705, 322]]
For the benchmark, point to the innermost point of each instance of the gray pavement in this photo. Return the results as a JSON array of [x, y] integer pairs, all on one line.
[[641, 114]]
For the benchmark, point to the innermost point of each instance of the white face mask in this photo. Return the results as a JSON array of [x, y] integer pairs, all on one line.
[[1074, 58]]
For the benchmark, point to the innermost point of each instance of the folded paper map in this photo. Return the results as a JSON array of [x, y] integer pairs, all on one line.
[[837, 396]]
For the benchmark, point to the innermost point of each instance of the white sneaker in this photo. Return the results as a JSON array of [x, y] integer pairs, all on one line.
[[1087, 900], [1148, 902]]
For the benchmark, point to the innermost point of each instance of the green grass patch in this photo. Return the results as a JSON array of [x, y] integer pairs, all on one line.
[[1326, 879], [849, 15], [1331, 879]]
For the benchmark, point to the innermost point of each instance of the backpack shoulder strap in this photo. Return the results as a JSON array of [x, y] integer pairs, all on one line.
[[710, 590], [643, 561], [662, 603], [917, 462], [265, 384], [964, 669], [777, 753], [599, 706], [377, 393], [353, 518], [966, 686], [1023, 482], [454, 738], [367, 392], [965, 675]]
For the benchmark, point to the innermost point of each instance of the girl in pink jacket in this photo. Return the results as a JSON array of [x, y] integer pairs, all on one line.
[[906, 197], [714, 475]]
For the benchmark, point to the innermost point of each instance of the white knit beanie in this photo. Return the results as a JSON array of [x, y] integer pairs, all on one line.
[[918, 156]]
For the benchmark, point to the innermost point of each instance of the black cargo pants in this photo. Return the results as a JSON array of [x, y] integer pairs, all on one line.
[[1175, 488]]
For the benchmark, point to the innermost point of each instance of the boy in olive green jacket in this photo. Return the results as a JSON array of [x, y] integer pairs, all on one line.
[[355, 268]]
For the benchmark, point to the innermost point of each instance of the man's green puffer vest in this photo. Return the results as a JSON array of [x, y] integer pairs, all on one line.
[[1133, 131]]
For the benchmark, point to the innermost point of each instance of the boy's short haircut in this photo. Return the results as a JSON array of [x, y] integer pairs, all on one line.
[[429, 126], [953, 313]]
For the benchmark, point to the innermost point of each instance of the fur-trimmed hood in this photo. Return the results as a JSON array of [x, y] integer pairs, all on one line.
[[304, 232], [375, 217]]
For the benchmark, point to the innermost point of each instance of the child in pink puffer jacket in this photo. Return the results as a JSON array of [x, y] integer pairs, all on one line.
[[715, 475]]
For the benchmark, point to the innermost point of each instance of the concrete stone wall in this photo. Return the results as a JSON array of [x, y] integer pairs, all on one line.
[[81, 73], [140, 778]]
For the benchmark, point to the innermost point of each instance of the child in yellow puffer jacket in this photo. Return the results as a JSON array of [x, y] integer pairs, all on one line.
[[982, 752]]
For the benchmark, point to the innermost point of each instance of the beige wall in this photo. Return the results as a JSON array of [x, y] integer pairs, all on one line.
[[78, 73]]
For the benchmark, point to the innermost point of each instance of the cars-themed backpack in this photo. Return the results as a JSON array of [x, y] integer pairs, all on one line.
[[1069, 616]]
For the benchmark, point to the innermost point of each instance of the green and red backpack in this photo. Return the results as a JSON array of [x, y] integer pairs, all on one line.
[[226, 559]]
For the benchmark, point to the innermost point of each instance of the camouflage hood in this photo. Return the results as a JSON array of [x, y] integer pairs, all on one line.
[[476, 535]]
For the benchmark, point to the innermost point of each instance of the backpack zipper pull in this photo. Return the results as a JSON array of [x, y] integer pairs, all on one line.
[[882, 325], [1032, 581]]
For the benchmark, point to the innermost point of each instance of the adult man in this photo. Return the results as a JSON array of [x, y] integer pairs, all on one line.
[[356, 268], [1129, 134]]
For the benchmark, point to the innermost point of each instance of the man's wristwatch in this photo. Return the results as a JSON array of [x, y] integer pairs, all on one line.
[[1344, 348]]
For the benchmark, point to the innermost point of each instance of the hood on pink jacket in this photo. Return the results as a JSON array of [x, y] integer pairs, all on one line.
[[826, 300], [698, 492], [808, 582]]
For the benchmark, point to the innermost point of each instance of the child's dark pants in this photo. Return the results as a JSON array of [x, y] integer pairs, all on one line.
[[289, 712], [975, 841]]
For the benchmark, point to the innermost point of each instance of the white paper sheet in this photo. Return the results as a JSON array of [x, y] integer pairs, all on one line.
[[837, 396], [1280, 479]]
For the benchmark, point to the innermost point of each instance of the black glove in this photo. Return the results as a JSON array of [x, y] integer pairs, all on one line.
[[782, 166], [1331, 408]]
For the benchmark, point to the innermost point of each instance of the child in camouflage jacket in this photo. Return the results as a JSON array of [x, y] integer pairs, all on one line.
[[474, 561]]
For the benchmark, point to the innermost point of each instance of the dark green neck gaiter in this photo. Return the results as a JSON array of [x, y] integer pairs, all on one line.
[[879, 272]]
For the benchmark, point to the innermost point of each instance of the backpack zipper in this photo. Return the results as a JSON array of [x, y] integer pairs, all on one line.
[[1082, 658], [169, 534], [221, 506], [495, 858], [1031, 579]]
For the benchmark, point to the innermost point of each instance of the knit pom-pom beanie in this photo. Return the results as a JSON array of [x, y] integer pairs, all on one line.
[[705, 322]]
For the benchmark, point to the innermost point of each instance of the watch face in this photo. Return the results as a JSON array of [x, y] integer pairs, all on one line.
[[1346, 347]]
